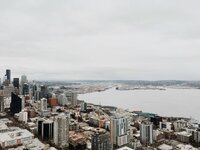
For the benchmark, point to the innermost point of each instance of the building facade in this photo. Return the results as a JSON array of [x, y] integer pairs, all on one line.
[[146, 133], [61, 130], [43, 104], [101, 140], [119, 131]]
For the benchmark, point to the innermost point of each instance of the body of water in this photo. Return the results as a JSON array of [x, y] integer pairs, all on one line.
[[169, 102]]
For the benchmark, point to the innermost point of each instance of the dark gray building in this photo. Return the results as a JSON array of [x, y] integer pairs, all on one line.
[[1, 103], [101, 140], [8, 75], [16, 104], [16, 82], [25, 89]]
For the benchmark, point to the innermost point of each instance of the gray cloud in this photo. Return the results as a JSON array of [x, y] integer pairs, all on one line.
[[107, 39]]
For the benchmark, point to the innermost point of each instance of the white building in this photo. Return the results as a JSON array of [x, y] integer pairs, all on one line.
[[125, 148], [7, 101], [14, 138], [3, 127], [23, 100], [61, 130], [62, 100], [184, 137], [43, 104], [23, 116], [165, 147], [185, 147], [119, 129], [146, 133]]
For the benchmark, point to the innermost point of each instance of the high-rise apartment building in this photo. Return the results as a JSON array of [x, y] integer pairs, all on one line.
[[119, 131], [62, 100], [146, 133], [43, 104], [72, 97], [61, 130], [83, 106]]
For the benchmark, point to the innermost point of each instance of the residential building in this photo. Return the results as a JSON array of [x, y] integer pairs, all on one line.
[[146, 133], [119, 129]]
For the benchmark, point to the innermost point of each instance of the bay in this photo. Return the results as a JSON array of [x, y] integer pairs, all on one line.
[[169, 102]]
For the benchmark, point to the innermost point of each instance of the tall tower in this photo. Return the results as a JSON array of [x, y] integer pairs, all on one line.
[[72, 97], [23, 80], [25, 89], [47, 130], [62, 100], [119, 129], [8, 75], [16, 82], [61, 130], [43, 104], [146, 133], [16, 104]]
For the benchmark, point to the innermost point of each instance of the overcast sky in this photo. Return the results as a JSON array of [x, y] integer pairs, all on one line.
[[100, 39]]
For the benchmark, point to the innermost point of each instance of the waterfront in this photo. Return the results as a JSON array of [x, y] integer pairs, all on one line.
[[169, 102]]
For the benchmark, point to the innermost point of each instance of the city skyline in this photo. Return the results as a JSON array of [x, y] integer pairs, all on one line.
[[103, 40]]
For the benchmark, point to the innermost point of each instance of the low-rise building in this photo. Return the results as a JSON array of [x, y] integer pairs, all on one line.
[[15, 138], [184, 137], [165, 147], [179, 125]]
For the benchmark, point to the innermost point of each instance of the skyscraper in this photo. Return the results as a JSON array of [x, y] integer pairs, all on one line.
[[72, 97], [43, 104], [34, 90], [119, 128], [25, 89], [146, 133], [23, 80], [16, 82], [8, 75], [61, 130], [43, 91], [16, 104], [45, 129], [62, 100], [83, 106]]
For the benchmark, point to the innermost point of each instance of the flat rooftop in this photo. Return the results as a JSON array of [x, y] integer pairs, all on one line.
[[125, 148]]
